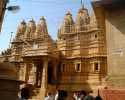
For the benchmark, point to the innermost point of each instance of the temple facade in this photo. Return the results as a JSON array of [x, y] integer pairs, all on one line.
[[75, 61]]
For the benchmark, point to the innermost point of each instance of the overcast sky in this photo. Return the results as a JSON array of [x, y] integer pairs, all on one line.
[[53, 10]]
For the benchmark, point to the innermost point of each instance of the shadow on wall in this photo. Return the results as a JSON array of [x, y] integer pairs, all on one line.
[[113, 3], [117, 18]]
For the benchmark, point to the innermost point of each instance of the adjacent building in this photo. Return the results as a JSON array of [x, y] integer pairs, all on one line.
[[110, 17]]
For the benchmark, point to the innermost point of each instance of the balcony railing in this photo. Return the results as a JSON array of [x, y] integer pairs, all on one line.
[[35, 52], [77, 29], [15, 58]]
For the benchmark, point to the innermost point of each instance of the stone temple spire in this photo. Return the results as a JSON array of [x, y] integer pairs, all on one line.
[[82, 19], [68, 20], [21, 30], [30, 30], [82, 3], [41, 29], [68, 24]]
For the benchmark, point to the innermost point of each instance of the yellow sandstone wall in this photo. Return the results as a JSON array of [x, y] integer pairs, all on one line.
[[115, 31]]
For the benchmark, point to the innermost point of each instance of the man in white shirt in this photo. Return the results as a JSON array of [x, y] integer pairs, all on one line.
[[49, 97]]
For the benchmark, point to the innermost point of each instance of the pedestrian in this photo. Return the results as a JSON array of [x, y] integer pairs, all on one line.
[[49, 96], [56, 95], [77, 96], [82, 95], [61, 95], [25, 93], [98, 97], [89, 96]]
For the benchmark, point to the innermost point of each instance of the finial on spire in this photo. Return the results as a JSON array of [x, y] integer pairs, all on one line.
[[68, 12], [32, 20], [42, 18], [82, 3], [23, 21]]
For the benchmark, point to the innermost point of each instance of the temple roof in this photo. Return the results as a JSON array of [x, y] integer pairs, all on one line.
[[31, 23], [32, 20], [68, 20], [42, 26], [23, 22], [82, 16], [21, 27], [42, 22]]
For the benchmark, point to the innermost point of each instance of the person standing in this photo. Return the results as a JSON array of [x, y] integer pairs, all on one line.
[[56, 95], [98, 97], [25, 93], [89, 96], [49, 97], [77, 96]]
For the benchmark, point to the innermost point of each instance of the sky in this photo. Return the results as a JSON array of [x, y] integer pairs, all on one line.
[[53, 11]]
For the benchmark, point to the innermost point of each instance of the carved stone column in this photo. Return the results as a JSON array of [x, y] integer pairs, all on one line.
[[44, 73], [44, 79], [32, 75], [22, 72]]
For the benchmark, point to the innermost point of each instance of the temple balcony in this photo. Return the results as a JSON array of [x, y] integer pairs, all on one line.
[[16, 58], [78, 29], [35, 52], [97, 55], [72, 56]]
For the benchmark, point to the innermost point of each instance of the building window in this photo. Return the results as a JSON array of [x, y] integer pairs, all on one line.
[[96, 66], [78, 37], [63, 67], [95, 35], [35, 46], [78, 67], [64, 39]]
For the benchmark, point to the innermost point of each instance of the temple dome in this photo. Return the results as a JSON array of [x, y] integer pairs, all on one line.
[[82, 19], [68, 20], [21, 30], [31, 28], [42, 26], [68, 24], [22, 27], [32, 25], [82, 16]]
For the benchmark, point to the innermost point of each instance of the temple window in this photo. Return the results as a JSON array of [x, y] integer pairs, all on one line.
[[95, 35], [78, 37], [35, 46], [96, 67], [63, 67], [78, 67]]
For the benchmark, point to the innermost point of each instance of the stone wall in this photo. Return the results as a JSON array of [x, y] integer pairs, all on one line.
[[9, 89], [107, 94], [115, 31]]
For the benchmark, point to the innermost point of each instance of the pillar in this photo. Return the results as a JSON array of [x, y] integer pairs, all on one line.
[[22, 72], [32, 75], [44, 79]]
